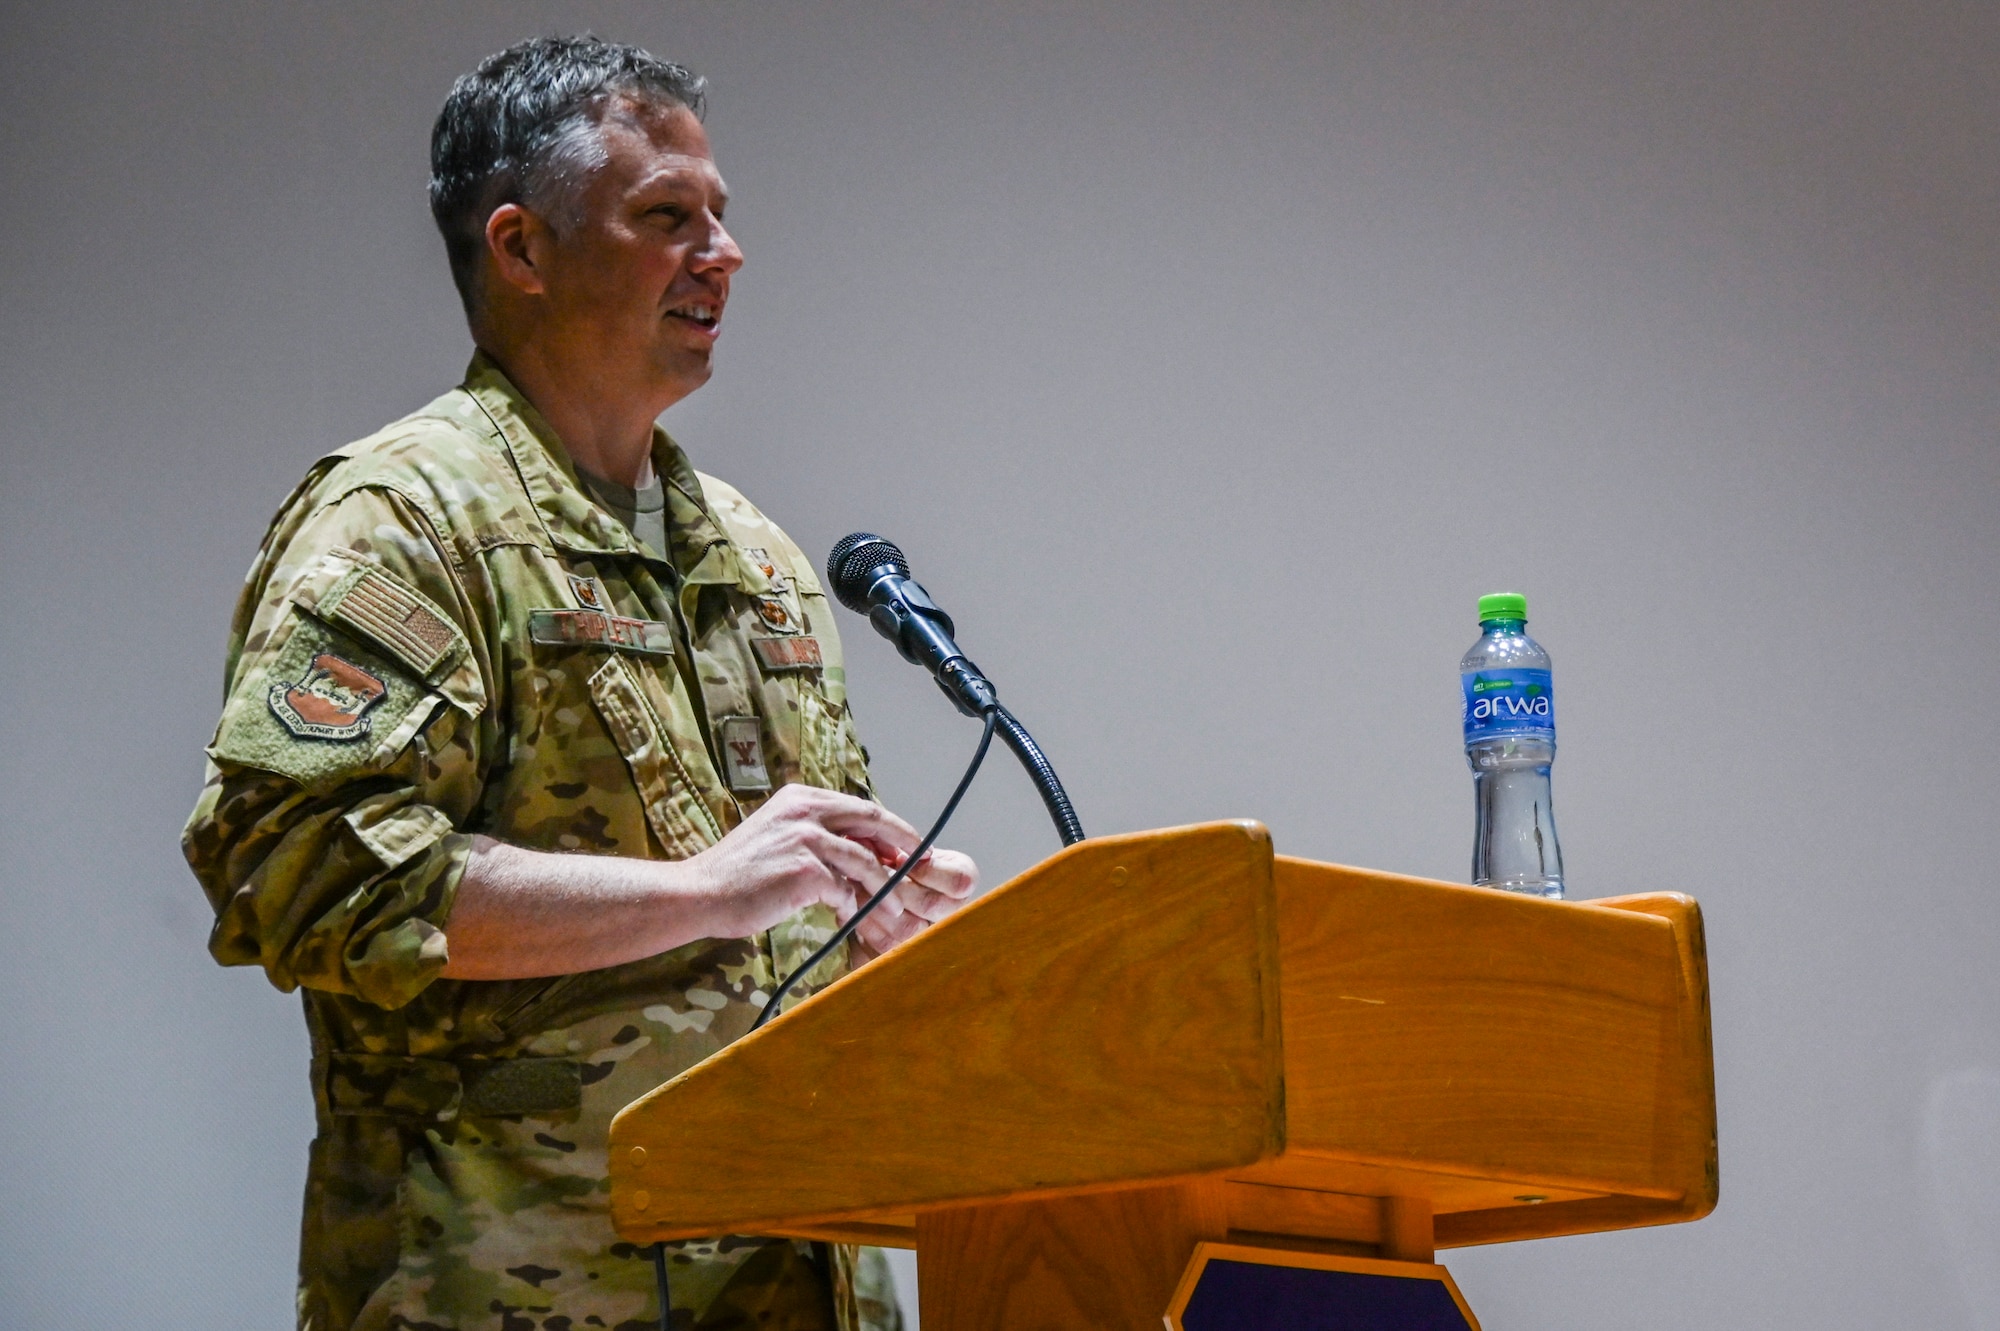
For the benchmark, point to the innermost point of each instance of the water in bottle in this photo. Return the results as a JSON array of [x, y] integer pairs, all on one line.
[[1510, 742]]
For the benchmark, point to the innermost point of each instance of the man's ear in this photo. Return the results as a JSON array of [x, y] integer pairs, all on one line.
[[517, 242]]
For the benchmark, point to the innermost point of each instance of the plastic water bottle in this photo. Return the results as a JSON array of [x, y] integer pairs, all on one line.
[[1510, 742]]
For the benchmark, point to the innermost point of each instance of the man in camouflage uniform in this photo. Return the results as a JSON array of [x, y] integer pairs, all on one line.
[[534, 787]]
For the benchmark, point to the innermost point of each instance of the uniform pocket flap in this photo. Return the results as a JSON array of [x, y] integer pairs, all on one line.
[[680, 819], [829, 755]]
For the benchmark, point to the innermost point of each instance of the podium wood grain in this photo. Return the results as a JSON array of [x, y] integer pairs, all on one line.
[[1154, 1039], [1109, 1017], [1107, 1261], [1525, 1065]]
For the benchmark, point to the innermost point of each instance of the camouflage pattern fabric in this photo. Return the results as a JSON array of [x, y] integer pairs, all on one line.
[[443, 636]]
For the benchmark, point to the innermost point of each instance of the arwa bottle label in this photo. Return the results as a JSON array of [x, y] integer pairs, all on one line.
[[1508, 702]]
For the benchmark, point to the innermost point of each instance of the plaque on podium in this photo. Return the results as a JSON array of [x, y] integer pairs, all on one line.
[[1233, 1287]]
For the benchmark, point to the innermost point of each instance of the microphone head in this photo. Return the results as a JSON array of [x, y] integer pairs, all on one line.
[[857, 562]]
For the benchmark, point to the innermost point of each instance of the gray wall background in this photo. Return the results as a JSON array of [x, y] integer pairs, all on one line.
[[1209, 360]]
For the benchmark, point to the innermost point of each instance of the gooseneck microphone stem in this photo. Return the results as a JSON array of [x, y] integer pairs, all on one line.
[[1043, 774]]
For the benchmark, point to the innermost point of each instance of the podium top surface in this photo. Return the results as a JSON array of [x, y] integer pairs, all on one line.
[[1184, 1004]]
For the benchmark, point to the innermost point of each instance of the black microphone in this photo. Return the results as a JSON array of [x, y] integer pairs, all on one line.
[[871, 577]]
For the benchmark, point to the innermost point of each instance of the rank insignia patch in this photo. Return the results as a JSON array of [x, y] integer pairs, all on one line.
[[777, 610], [589, 593], [762, 559], [743, 754], [776, 618], [331, 702]]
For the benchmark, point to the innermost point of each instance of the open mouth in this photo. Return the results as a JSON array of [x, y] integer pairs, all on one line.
[[700, 313]]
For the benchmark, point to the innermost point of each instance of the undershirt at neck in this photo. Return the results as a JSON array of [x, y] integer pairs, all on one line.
[[643, 511]]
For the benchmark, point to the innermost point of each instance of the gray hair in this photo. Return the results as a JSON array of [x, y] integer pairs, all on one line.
[[524, 128]]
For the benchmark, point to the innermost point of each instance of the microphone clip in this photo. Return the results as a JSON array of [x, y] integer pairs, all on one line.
[[904, 613]]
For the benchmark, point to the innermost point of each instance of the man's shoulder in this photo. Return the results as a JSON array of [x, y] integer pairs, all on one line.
[[746, 525], [446, 460], [437, 448]]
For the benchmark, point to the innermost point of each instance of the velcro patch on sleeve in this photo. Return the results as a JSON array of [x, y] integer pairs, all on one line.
[[330, 701], [395, 616], [799, 653], [588, 628], [324, 705]]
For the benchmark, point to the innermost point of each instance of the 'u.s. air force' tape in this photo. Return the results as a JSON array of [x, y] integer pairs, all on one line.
[[588, 628]]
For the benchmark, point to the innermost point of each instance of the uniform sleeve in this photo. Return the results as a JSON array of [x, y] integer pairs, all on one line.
[[348, 753]]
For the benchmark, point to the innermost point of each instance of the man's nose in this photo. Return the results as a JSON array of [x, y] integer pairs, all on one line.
[[721, 251]]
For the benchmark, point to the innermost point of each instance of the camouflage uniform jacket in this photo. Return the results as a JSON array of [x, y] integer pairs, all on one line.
[[443, 636]]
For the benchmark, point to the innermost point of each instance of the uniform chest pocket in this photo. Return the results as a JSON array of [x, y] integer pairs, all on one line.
[[671, 793], [829, 754]]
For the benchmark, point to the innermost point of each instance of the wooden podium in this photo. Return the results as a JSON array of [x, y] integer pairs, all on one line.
[[1155, 1040]]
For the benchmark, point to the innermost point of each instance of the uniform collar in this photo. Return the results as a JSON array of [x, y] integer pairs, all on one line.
[[700, 552]]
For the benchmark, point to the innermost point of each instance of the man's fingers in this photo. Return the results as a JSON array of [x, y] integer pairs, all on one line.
[[948, 873], [923, 903], [864, 820], [850, 861], [881, 934], [893, 856], [841, 902], [850, 848], [939, 884], [892, 905]]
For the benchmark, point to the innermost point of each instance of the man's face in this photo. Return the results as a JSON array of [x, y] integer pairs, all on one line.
[[636, 283]]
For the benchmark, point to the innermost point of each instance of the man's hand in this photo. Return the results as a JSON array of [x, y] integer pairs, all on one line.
[[940, 883], [808, 846], [522, 913]]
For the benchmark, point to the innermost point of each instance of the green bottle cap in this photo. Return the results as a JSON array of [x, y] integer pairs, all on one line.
[[1503, 605]]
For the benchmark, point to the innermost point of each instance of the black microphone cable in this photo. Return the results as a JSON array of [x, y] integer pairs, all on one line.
[[922, 632], [841, 935], [666, 1290]]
